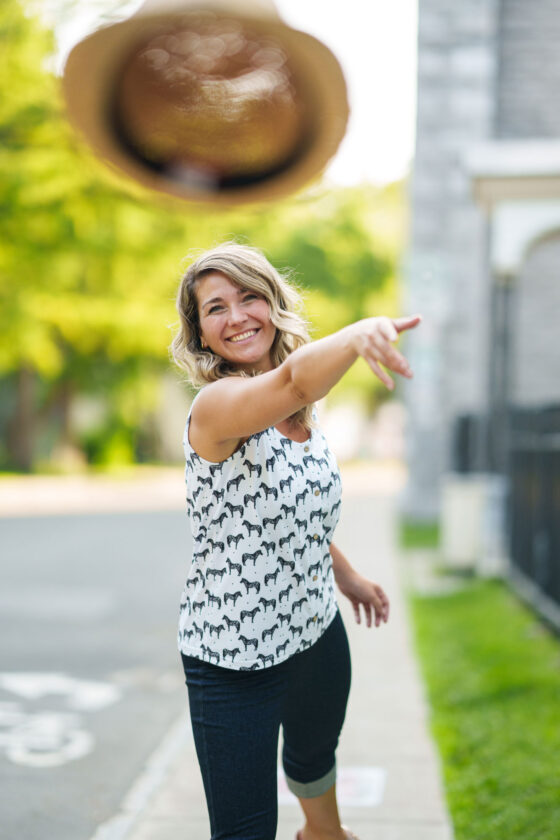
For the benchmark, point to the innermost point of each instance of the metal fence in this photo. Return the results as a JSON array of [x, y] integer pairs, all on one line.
[[534, 506], [532, 514]]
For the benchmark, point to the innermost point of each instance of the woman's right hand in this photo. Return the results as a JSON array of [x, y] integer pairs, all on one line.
[[371, 339]]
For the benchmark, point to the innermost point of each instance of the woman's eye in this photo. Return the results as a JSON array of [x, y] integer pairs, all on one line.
[[218, 308]]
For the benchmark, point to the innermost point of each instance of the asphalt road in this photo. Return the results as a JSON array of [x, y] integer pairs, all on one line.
[[90, 677]]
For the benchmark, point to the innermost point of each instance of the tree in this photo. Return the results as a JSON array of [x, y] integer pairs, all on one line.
[[78, 256]]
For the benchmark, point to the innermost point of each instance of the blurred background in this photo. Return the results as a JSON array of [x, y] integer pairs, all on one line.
[[443, 199], [90, 271]]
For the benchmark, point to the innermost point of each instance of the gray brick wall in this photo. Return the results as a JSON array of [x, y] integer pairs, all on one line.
[[445, 269], [529, 77]]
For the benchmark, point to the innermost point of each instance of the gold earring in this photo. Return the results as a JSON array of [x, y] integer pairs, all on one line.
[[202, 342]]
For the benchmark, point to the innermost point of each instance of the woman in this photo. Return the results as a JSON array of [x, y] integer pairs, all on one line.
[[260, 635]]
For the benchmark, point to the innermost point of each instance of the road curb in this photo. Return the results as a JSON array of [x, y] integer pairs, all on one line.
[[147, 784]]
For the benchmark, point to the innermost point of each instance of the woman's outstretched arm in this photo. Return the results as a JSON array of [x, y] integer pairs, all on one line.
[[236, 407]]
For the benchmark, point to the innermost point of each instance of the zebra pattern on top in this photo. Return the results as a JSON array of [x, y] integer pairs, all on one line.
[[260, 587]]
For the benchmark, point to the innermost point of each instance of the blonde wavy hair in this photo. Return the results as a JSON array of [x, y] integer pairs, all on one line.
[[248, 268]]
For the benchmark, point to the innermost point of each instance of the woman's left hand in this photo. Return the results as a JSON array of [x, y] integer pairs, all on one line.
[[368, 594]]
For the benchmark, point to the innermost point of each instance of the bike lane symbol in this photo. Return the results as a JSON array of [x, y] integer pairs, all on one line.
[[49, 738]]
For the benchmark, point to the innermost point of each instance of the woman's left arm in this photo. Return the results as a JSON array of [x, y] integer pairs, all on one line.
[[359, 590]]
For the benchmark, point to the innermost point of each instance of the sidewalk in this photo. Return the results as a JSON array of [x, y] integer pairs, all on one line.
[[147, 488], [388, 772]]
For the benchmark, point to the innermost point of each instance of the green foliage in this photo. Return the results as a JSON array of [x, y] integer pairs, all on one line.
[[494, 686], [334, 250], [109, 447]]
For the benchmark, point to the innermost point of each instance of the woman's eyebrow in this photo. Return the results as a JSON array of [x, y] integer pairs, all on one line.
[[212, 300]]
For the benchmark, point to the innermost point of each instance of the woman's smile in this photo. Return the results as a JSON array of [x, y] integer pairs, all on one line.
[[243, 337]]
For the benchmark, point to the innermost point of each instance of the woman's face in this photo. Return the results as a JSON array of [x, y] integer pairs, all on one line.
[[226, 314]]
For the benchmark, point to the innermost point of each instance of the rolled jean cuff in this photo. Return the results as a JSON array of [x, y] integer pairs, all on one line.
[[307, 790]]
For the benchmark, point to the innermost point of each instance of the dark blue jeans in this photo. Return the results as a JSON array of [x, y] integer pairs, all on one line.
[[236, 718]]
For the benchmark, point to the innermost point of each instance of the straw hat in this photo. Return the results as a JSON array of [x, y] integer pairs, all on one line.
[[213, 101]]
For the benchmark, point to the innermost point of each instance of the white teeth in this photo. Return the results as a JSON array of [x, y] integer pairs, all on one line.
[[243, 335]]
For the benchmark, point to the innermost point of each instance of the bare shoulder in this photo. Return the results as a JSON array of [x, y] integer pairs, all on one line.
[[199, 431], [232, 409]]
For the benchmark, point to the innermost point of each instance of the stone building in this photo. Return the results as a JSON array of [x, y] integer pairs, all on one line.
[[483, 268], [483, 262]]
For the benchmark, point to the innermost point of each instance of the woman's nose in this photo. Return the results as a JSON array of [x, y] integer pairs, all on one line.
[[236, 314]]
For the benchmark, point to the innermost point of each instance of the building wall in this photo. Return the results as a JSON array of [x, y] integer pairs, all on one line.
[[526, 97], [529, 77], [487, 69], [446, 265]]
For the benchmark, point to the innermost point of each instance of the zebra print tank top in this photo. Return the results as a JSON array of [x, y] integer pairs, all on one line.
[[261, 586]]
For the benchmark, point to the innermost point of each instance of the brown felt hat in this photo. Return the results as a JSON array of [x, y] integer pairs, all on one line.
[[214, 101]]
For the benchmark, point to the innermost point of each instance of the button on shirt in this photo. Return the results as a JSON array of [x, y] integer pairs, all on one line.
[[261, 585]]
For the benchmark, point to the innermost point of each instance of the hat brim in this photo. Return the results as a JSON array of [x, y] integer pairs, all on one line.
[[94, 65]]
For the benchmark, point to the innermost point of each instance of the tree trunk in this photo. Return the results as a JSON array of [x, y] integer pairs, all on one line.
[[21, 427], [61, 406]]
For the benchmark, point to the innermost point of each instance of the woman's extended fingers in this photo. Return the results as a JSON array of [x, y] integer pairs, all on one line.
[[380, 373], [406, 323], [380, 350], [373, 341]]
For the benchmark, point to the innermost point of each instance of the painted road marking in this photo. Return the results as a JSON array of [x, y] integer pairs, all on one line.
[[49, 738], [83, 695]]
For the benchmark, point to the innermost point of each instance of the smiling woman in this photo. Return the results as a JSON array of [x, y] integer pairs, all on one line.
[[263, 495]]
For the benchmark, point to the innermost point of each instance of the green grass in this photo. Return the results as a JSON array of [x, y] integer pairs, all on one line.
[[493, 678], [417, 534]]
